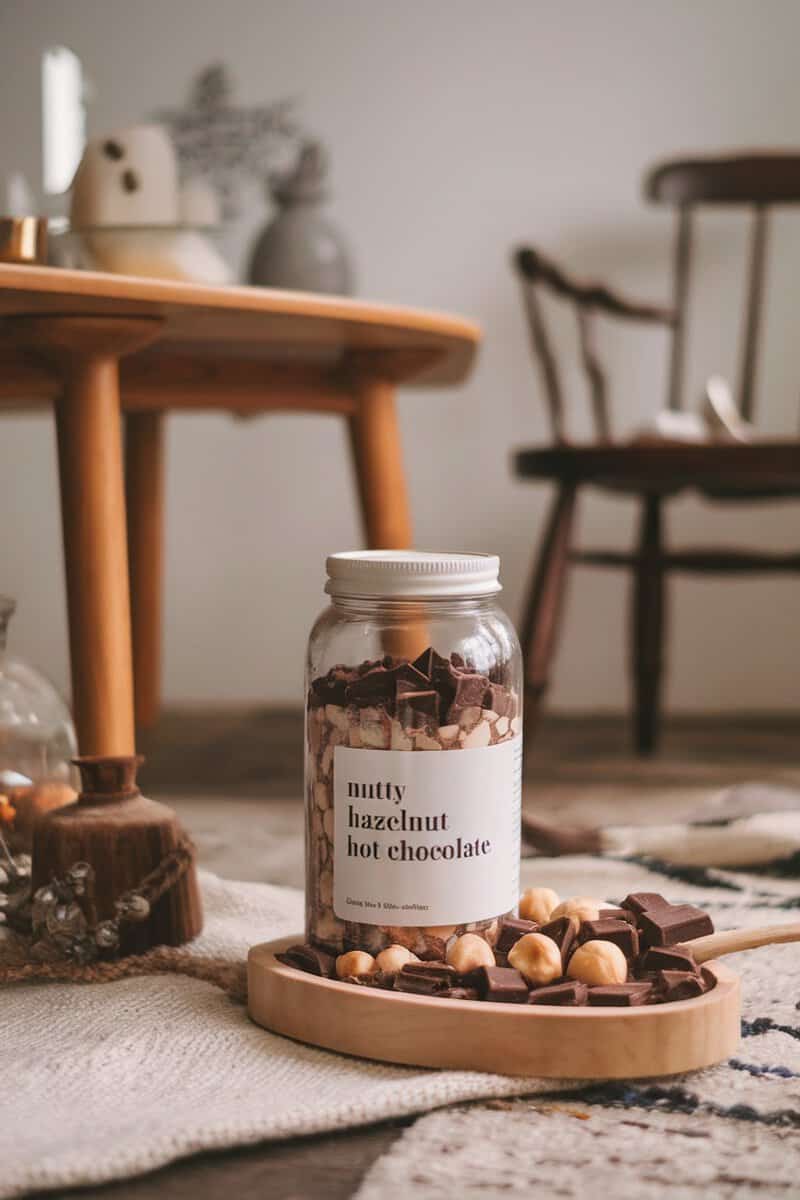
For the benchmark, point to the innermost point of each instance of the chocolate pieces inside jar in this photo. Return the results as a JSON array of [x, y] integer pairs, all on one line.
[[433, 703]]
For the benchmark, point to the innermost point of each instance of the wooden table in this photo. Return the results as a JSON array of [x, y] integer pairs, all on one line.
[[91, 344]]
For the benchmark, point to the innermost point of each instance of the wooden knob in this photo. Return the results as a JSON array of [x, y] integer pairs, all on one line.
[[108, 777]]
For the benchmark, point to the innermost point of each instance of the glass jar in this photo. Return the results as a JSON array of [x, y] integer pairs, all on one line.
[[37, 743], [413, 754]]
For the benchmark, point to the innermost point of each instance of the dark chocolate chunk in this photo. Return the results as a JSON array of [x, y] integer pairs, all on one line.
[[511, 930], [619, 932], [407, 675], [617, 914], [679, 985], [620, 995], [426, 662], [673, 924], [332, 688], [375, 687], [461, 993], [457, 660], [503, 985], [639, 902], [668, 958], [113, 150], [426, 979], [569, 994], [310, 959], [418, 708], [130, 180], [562, 931]]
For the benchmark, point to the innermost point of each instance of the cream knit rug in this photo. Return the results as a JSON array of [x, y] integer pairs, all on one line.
[[114, 1080]]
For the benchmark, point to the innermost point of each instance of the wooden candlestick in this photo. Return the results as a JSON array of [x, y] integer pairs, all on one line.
[[124, 836]]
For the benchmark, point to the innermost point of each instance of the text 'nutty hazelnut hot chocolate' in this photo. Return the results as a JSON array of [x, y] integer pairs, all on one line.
[[413, 755]]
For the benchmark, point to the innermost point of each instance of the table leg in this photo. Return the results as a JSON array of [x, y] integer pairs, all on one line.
[[144, 485], [86, 350], [378, 460]]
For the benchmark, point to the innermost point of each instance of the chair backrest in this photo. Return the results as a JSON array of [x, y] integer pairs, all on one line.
[[755, 181], [537, 272]]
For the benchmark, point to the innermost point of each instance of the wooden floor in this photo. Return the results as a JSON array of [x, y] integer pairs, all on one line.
[[579, 769]]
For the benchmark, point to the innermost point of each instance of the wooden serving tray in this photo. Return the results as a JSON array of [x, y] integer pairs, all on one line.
[[505, 1039]]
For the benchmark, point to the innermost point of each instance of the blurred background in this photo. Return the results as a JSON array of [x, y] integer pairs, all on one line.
[[455, 131]]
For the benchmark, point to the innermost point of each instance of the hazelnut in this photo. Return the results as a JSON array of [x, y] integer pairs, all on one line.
[[355, 962], [537, 904], [598, 962], [537, 958], [469, 952], [578, 908], [394, 958]]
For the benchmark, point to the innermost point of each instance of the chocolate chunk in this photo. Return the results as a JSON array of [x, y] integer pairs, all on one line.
[[426, 979], [407, 675], [668, 958], [503, 985], [617, 914], [562, 931], [309, 959], [679, 985], [332, 688], [497, 698], [375, 687], [457, 660], [569, 994], [673, 924], [426, 662], [444, 680], [113, 150], [511, 930], [461, 993], [418, 708], [130, 180], [470, 690], [619, 932], [620, 995], [639, 902]]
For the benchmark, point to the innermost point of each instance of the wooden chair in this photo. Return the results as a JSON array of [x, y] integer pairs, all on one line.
[[652, 471]]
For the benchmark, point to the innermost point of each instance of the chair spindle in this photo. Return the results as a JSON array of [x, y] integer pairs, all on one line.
[[755, 294]]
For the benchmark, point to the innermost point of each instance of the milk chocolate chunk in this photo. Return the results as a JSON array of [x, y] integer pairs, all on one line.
[[619, 932], [617, 914], [675, 923], [470, 690], [669, 958], [639, 902], [620, 995], [567, 994], [497, 698], [460, 993], [309, 959], [511, 930], [426, 979], [680, 985], [503, 985], [562, 932]]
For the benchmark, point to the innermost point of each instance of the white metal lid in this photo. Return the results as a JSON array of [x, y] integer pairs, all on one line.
[[402, 574]]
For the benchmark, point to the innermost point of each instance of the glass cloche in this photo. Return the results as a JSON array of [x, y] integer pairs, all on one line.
[[37, 742]]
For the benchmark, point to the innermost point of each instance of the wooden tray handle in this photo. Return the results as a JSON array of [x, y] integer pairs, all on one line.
[[714, 945]]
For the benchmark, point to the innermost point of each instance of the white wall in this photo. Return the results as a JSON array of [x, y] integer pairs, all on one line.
[[457, 129]]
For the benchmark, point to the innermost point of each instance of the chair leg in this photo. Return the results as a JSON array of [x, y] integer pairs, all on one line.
[[647, 627], [542, 620], [144, 484]]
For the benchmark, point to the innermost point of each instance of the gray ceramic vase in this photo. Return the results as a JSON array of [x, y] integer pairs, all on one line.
[[300, 248]]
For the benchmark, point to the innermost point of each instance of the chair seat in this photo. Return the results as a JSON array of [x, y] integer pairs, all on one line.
[[722, 471]]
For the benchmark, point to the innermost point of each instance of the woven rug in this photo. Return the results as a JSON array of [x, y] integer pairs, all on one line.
[[115, 1080]]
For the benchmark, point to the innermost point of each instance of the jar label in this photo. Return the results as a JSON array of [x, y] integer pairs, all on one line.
[[426, 839]]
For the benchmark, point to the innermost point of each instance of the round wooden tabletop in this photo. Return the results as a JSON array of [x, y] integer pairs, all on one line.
[[245, 326]]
